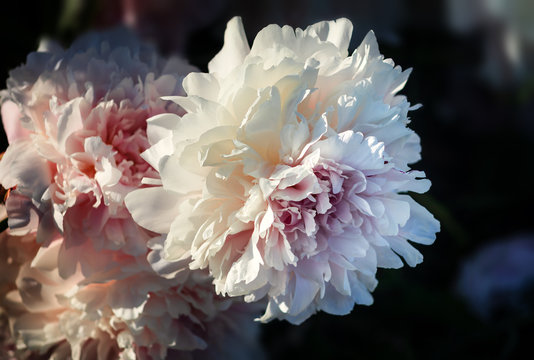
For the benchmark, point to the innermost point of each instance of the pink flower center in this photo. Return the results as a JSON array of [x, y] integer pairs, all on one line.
[[304, 222], [129, 140], [125, 131]]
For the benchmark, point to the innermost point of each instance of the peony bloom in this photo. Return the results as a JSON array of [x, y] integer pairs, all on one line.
[[287, 177], [80, 279], [136, 314], [76, 124]]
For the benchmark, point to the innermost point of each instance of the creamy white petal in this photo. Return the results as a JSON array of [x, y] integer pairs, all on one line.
[[337, 32], [152, 208], [234, 50]]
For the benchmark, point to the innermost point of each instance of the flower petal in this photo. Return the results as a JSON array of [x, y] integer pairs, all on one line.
[[153, 208], [234, 50]]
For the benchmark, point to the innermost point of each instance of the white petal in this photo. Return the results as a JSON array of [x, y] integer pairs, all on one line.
[[336, 303], [387, 259], [303, 295], [153, 208], [22, 166], [421, 227], [337, 32], [69, 121], [177, 179], [12, 123], [234, 51], [360, 291], [160, 127], [410, 254], [350, 245], [201, 84], [154, 154]]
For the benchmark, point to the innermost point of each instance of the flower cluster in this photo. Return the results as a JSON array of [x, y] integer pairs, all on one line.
[[77, 280], [287, 176], [137, 314], [152, 208], [76, 123]]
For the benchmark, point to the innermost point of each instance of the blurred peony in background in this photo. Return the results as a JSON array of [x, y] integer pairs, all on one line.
[[474, 75]]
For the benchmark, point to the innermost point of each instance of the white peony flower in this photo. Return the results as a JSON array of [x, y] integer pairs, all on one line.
[[133, 314], [76, 123], [287, 177]]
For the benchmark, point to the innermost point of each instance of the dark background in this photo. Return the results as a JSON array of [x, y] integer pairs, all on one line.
[[477, 131]]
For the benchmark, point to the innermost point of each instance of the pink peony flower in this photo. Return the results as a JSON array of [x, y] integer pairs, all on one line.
[[78, 283], [132, 313], [76, 122], [287, 177]]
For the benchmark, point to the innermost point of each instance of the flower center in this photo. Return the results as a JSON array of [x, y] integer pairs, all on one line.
[[127, 136], [322, 207]]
